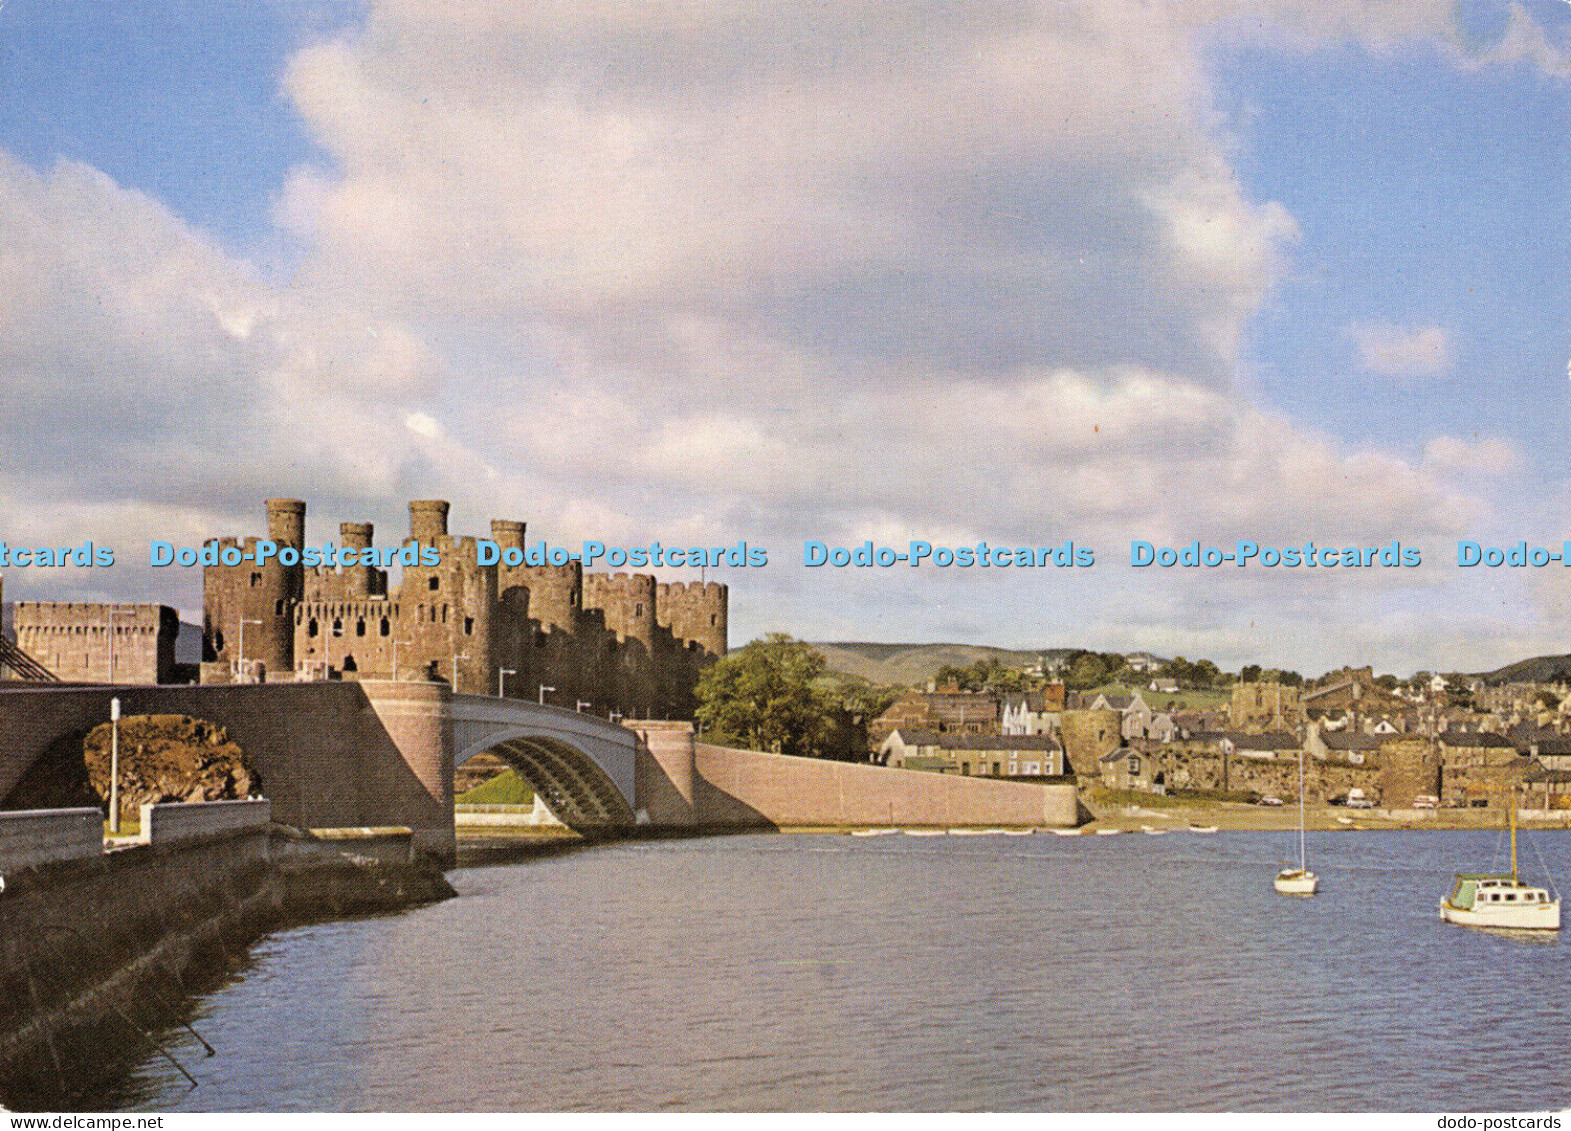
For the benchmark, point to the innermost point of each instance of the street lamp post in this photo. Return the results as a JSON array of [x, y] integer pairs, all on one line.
[[501, 677], [543, 690], [114, 766]]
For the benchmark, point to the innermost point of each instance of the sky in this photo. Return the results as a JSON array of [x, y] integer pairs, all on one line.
[[1021, 271]]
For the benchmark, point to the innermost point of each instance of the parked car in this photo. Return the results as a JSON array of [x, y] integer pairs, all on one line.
[[1426, 801], [1269, 800], [1357, 800]]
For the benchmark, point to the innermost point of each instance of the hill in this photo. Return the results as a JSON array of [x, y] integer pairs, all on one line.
[[914, 664], [1539, 669]]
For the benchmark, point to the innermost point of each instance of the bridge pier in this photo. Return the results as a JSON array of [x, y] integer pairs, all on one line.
[[667, 774], [417, 718]]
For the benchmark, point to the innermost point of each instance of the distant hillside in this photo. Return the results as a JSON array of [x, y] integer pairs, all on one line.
[[915, 664], [1540, 669]]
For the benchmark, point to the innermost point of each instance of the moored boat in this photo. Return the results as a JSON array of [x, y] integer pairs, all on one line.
[[1491, 899], [1296, 881], [1299, 880]]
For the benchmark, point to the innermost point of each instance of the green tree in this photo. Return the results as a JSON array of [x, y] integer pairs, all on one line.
[[1086, 670], [765, 697], [1250, 673], [952, 675]]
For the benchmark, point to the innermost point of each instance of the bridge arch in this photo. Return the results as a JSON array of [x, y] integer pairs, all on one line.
[[583, 767], [573, 786]]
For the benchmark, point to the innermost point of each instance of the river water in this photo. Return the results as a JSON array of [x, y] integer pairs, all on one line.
[[829, 972]]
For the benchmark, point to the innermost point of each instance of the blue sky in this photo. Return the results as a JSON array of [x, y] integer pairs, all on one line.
[[181, 100], [1425, 196], [1264, 269]]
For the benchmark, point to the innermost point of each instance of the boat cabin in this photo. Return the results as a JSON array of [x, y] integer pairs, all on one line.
[[1488, 891]]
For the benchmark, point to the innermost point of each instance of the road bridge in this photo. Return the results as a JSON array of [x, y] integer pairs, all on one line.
[[382, 752]]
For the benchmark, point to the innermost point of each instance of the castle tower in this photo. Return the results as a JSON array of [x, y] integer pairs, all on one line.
[[556, 594], [508, 534], [695, 613], [446, 611], [627, 602], [510, 631], [428, 520], [281, 587], [359, 581]]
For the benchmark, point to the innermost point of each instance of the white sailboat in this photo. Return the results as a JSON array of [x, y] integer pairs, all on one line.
[[1299, 880], [1494, 900]]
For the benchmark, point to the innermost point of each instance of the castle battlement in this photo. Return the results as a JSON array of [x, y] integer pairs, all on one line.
[[620, 642]]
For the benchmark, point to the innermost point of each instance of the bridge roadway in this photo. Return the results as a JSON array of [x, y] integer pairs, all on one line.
[[380, 753]]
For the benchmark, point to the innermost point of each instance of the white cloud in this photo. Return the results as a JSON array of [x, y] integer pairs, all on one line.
[[1490, 456], [1403, 351], [425, 425], [763, 269]]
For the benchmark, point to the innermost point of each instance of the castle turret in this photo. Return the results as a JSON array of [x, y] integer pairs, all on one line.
[[281, 587], [427, 520], [358, 580], [510, 631], [508, 534], [695, 613], [556, 594]]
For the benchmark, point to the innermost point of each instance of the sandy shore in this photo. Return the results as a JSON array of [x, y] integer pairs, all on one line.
[[1181, 813]]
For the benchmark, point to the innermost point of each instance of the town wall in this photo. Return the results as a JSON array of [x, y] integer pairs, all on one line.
[[88, 642], [749, 788]]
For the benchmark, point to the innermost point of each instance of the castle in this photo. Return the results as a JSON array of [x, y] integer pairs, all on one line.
[[610, 643]]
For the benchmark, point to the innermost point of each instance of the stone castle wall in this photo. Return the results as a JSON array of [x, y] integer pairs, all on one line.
[[87, 642], [619, 643]]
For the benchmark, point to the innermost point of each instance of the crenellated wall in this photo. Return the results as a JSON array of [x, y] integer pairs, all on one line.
[[618, 644]]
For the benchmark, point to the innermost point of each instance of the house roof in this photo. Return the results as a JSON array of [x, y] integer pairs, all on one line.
[[981, 742], [1009, 742], [1270, 740], [1473, 738], [910, 736], [1343, 740]]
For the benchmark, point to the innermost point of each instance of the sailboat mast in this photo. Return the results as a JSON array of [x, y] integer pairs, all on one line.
[[1513, 839], [1302, 860]]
